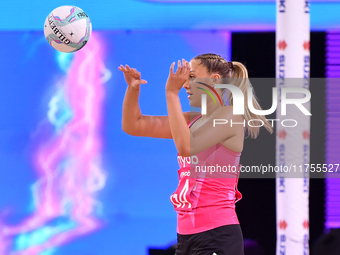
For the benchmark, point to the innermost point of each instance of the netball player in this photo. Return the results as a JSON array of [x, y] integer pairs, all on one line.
[[207, 223]]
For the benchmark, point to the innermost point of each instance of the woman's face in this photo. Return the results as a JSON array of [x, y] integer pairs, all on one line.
[[198, 73]]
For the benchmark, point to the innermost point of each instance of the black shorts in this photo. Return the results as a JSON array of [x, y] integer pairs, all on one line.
[[225, 240]]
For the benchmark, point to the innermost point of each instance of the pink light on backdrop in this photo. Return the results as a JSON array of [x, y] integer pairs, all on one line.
[[68, 165]]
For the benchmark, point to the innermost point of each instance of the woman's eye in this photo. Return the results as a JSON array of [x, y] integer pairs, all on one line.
[[192, 77]]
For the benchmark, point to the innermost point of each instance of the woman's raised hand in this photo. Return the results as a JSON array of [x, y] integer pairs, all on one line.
[[132, 76], [177, 80]]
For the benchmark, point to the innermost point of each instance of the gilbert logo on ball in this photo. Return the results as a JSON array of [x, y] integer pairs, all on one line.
[[67, 28]]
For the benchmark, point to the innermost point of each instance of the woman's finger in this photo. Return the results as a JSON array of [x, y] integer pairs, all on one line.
[[135, 72], [172, 68], [128, 68], [121, 68], [185, 66], [188, 66], [179, 67]]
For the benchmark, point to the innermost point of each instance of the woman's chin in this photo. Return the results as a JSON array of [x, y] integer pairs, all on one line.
[[194, 104]]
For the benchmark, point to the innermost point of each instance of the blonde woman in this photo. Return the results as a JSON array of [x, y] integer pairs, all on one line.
[[205, 203]]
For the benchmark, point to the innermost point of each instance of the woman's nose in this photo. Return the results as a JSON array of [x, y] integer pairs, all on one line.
[[186, 85]]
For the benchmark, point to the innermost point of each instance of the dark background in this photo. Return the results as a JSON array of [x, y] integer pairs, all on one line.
[[257, 209]]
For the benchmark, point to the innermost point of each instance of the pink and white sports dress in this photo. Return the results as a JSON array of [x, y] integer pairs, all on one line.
[[205, 201]]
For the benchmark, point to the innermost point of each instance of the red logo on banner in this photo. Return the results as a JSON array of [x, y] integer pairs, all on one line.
[[306, 224], [282, 134], [305, 134], [283, 224], [282, 45], [306, 45]]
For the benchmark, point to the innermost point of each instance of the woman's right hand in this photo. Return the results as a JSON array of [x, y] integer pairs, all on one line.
[[132, 76]]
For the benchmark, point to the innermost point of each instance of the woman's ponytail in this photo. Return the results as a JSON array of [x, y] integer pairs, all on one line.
[[239, 78]]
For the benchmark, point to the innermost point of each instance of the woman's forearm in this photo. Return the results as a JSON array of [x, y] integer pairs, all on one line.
[[131, 110], [178, 125]]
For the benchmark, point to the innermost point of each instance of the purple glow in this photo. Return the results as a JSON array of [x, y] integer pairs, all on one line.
[[68, 164], [332, 148]]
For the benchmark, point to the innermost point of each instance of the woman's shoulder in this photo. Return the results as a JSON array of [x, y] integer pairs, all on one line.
[[226, 112], [189, 116]]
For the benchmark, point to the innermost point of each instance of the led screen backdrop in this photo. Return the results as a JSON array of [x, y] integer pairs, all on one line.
[[72, 182], [148, 15]]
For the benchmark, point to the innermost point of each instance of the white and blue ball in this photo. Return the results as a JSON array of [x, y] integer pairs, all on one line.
[[67, 28]]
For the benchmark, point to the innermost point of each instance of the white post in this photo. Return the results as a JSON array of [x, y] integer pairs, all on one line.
[[292, 143]]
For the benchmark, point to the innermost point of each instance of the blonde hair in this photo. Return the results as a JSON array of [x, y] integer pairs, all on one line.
[[237, 73], [239, 78]]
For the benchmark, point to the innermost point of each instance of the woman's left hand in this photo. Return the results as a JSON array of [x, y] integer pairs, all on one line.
[[176, 80]]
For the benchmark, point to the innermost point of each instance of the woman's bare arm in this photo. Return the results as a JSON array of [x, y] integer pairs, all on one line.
[[133, 122], [154, 126]]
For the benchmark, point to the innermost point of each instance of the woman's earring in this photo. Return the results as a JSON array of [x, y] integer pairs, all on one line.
[[214, 80]]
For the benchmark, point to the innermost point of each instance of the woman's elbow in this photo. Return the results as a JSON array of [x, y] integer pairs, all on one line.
[[128, 130], [184, 152]]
